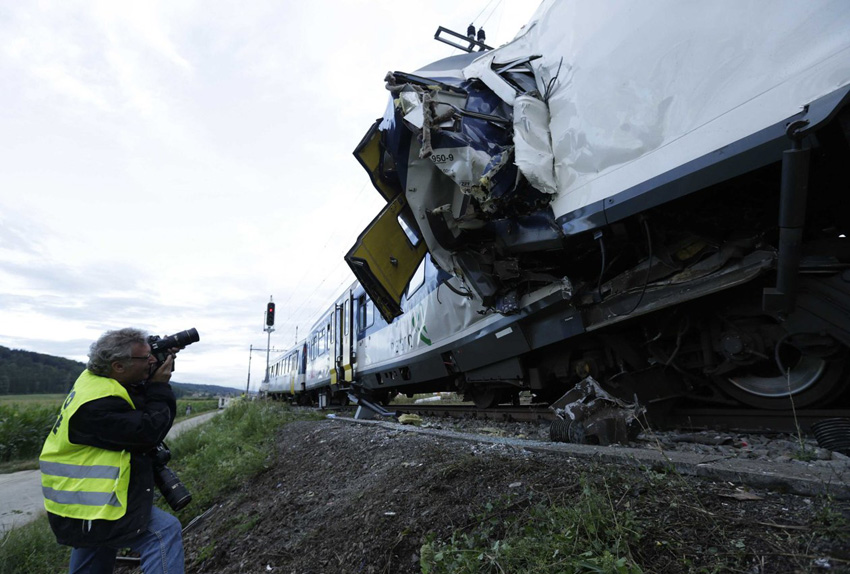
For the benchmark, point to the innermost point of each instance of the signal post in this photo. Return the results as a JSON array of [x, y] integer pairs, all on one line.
[[269, 328]]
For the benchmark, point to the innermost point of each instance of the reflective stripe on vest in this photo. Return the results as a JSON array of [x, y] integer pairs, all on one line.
[[81, 481], [79, 470], [81, 498]]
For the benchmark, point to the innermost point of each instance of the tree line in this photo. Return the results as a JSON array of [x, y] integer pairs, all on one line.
[[26, 373]]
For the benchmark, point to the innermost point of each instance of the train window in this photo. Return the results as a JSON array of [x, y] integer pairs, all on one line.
[[345, 317], [387, 167], [417, 280], [412, 235], [365, 315]]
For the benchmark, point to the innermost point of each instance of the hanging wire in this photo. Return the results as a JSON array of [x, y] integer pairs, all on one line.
[[309, 272], [484, 9]]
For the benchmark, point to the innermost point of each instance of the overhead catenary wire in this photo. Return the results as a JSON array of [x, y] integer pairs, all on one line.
[[311, 272], [293, 316], [474, 20]]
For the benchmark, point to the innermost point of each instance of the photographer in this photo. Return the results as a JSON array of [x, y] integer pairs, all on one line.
[[96, 469]]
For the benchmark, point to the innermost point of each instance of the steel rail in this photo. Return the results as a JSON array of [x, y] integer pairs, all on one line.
[[749, 420]]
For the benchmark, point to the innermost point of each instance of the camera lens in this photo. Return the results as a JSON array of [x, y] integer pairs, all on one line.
[[175, 493], [186, 337]]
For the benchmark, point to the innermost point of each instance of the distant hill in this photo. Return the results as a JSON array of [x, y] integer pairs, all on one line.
[[189, 389], [28, 373]]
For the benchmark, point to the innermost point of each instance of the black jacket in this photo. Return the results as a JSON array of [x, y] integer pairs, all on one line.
[[112, 424]]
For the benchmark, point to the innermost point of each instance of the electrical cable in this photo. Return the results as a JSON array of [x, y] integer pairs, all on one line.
[[484, 9], [648, 271], [601, 240]]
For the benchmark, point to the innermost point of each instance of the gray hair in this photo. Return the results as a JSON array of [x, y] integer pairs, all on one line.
[[113, 346]]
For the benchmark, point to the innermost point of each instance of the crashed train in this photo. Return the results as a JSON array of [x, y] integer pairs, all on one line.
[[654, 196]]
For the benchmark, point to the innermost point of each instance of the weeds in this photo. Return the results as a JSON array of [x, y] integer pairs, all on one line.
[[831, 523], [32, 549], [562, 535]]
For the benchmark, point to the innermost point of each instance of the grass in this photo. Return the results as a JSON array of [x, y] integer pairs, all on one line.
[[197, 406], [50, 400], [582, 532], [212, 460], [618, 520], [32, 549]]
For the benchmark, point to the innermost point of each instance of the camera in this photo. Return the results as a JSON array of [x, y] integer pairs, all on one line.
[[175, 492], [160, 345]]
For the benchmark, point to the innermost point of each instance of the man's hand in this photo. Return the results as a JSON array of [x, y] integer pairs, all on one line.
[[163, 373]]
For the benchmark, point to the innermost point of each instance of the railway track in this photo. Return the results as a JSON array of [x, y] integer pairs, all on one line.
[[749, 420], [525, 413]]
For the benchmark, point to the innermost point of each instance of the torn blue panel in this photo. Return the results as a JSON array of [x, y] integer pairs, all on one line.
[[536, 232]]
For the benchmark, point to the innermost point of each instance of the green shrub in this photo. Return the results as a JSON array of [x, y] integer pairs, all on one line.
[[23, 429]]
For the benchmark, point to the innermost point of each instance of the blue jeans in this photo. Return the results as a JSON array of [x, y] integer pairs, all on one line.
[[160, 546]]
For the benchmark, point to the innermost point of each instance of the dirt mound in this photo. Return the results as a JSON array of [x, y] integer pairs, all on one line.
[[342, 498]]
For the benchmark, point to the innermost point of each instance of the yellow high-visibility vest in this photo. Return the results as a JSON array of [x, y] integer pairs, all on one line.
[[82, 481]]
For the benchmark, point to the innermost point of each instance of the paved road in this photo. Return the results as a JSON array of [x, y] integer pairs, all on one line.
[[20, 492]]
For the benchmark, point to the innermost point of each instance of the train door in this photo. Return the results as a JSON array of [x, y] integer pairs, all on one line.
[[388, 252], [292, 370], [302, 367], [344, 339]]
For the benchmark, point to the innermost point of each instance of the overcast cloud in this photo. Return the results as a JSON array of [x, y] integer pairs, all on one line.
[[170, 165]]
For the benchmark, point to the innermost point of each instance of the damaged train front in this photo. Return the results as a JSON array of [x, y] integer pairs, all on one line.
[[467, 173]]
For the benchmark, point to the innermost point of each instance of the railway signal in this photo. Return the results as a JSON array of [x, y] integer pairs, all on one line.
[[270, 314], [268, 329]]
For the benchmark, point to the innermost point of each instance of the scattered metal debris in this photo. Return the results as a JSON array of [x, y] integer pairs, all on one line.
[[833, 434], [588, 414]]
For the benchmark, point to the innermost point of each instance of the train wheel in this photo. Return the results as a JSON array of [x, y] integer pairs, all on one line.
[[808, 381], [485, 397], [488, 397]]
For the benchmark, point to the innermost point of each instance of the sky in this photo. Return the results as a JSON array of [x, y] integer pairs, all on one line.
[[173, 164]]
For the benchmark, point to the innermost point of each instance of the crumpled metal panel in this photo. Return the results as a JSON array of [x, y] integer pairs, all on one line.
[[591, 415]]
